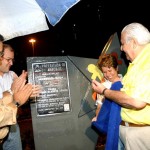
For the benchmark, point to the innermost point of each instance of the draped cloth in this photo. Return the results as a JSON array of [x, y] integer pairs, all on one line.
[[109, 119], [56, 9], [23, 17]]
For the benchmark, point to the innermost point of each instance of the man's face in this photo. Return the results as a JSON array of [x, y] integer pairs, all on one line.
[[126, 46], [6, 60]]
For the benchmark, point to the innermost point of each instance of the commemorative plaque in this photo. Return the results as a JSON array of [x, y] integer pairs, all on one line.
[[55, 95]]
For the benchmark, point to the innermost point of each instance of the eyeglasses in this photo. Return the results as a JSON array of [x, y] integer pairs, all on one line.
[[9, 59]]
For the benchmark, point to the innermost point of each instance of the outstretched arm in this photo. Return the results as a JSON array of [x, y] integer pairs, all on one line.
[[118, 96]]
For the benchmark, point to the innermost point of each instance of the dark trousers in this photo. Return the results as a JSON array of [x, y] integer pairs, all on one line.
[[1, 147]]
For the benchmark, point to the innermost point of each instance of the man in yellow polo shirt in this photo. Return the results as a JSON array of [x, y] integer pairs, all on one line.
[[134, 97]]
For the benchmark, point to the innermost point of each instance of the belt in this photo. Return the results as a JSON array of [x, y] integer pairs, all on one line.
[[127, 124]]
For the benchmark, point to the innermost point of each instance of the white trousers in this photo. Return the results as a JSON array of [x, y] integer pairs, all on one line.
[[134, 138]]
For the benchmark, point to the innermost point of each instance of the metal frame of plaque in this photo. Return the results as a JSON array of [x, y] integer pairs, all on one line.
[[55, 96]]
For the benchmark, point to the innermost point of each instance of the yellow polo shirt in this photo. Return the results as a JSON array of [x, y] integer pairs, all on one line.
[[136, 83]]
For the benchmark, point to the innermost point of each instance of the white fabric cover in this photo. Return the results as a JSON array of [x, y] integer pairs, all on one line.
[[21, 17]]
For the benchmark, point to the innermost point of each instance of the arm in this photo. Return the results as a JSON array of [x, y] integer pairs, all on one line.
[[21, 91], [8, 111], [8, 108], [118, 96], [19, 82], [99, 102], [22, 95], [8, 114]]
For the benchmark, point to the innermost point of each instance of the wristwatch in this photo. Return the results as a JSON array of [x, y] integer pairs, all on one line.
[[17, 104]]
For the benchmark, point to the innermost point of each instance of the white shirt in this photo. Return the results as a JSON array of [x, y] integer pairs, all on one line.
[[5, 81]]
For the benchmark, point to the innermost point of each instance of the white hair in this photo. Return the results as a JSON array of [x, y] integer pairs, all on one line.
[[137, 31]]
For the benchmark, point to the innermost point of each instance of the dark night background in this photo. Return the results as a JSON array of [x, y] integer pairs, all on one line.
[[83, 31]]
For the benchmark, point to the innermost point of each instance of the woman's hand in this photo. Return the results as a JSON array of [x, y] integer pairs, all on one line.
[[94, 119]]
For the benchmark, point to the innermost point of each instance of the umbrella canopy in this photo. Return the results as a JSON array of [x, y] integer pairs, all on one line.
[[18, 18]]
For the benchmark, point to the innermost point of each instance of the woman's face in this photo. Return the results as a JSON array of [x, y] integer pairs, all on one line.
[[110, 73]]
